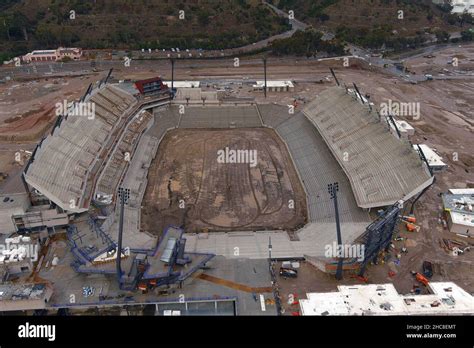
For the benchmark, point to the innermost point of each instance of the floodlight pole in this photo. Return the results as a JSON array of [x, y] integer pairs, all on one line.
[[172, 73], [123, 193], [333, 189], [265, 76], [270, 249], [334, 75]]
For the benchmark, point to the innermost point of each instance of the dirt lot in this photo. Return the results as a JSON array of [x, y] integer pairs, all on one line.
[[188, 185], [28, 107]]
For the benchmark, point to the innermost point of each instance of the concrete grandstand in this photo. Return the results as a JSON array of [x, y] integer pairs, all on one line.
[[66, 164], [380, 168], [85, 161]]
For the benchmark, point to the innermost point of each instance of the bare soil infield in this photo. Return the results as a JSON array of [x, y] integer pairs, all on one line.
[[187, 186]]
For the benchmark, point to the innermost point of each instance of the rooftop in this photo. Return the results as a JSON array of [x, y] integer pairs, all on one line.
[[273, 83], [183, 84], [383, 299], [434, 160], [461, 203], [16, 297]]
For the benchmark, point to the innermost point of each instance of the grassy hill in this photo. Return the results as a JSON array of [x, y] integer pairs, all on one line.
[[134, 24], [371, 23]]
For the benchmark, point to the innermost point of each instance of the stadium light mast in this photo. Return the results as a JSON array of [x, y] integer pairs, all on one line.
[[265, 76], [334, 75], [124, 195], [270, 249], [172, 73], [333, 189]]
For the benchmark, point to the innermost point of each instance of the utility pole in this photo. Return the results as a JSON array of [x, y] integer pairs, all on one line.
[[270, 249], [172, 73], [333, 189], [124, 195], [265, 75]]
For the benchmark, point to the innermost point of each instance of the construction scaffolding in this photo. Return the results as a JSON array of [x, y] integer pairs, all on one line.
[[379, 235]]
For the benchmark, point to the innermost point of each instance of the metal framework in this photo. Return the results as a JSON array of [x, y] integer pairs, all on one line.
[[379, 235]]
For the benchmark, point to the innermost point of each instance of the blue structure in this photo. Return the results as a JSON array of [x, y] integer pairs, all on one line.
[[379, 235], [147, 268]]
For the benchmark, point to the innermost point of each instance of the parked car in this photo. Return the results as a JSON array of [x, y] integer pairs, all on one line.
[[288, 272]]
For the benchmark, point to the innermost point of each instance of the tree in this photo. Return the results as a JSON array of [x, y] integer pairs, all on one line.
[[442, 36], [467, 35]]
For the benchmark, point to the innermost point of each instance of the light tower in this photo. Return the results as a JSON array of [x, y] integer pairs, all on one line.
[[265, 76], [333, 189], [124, 195]]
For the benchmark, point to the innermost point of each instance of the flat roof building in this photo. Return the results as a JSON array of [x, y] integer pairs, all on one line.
[[151, 86], [406, 130], [446, 298], [460, 213], [274, 86], [183, 84], [23, 297], [435, 161], [53, 55]]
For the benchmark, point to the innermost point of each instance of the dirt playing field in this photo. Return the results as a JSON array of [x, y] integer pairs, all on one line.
[[192, 185]]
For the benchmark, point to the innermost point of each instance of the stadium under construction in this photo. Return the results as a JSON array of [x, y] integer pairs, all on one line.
[[99, 171]]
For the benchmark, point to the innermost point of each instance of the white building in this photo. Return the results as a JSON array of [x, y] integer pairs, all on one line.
[[383, 299], [434, 160], [183, 84], [52, 55], [460, 6], [406, 130], [274, 86], [459, 209]]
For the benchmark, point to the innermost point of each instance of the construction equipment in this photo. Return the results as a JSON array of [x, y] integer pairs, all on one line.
[[412, 227], [143, 287], [420, 278], [427, 269], [410, 218], [410, 221]]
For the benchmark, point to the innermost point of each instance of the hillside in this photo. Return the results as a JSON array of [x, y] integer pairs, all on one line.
[[371, 23], [133, 24]]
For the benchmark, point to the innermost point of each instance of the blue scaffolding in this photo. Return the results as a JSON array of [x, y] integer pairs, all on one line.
[[378, 235]]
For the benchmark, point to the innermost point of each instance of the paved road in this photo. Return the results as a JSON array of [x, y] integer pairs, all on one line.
[[296, 24]]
